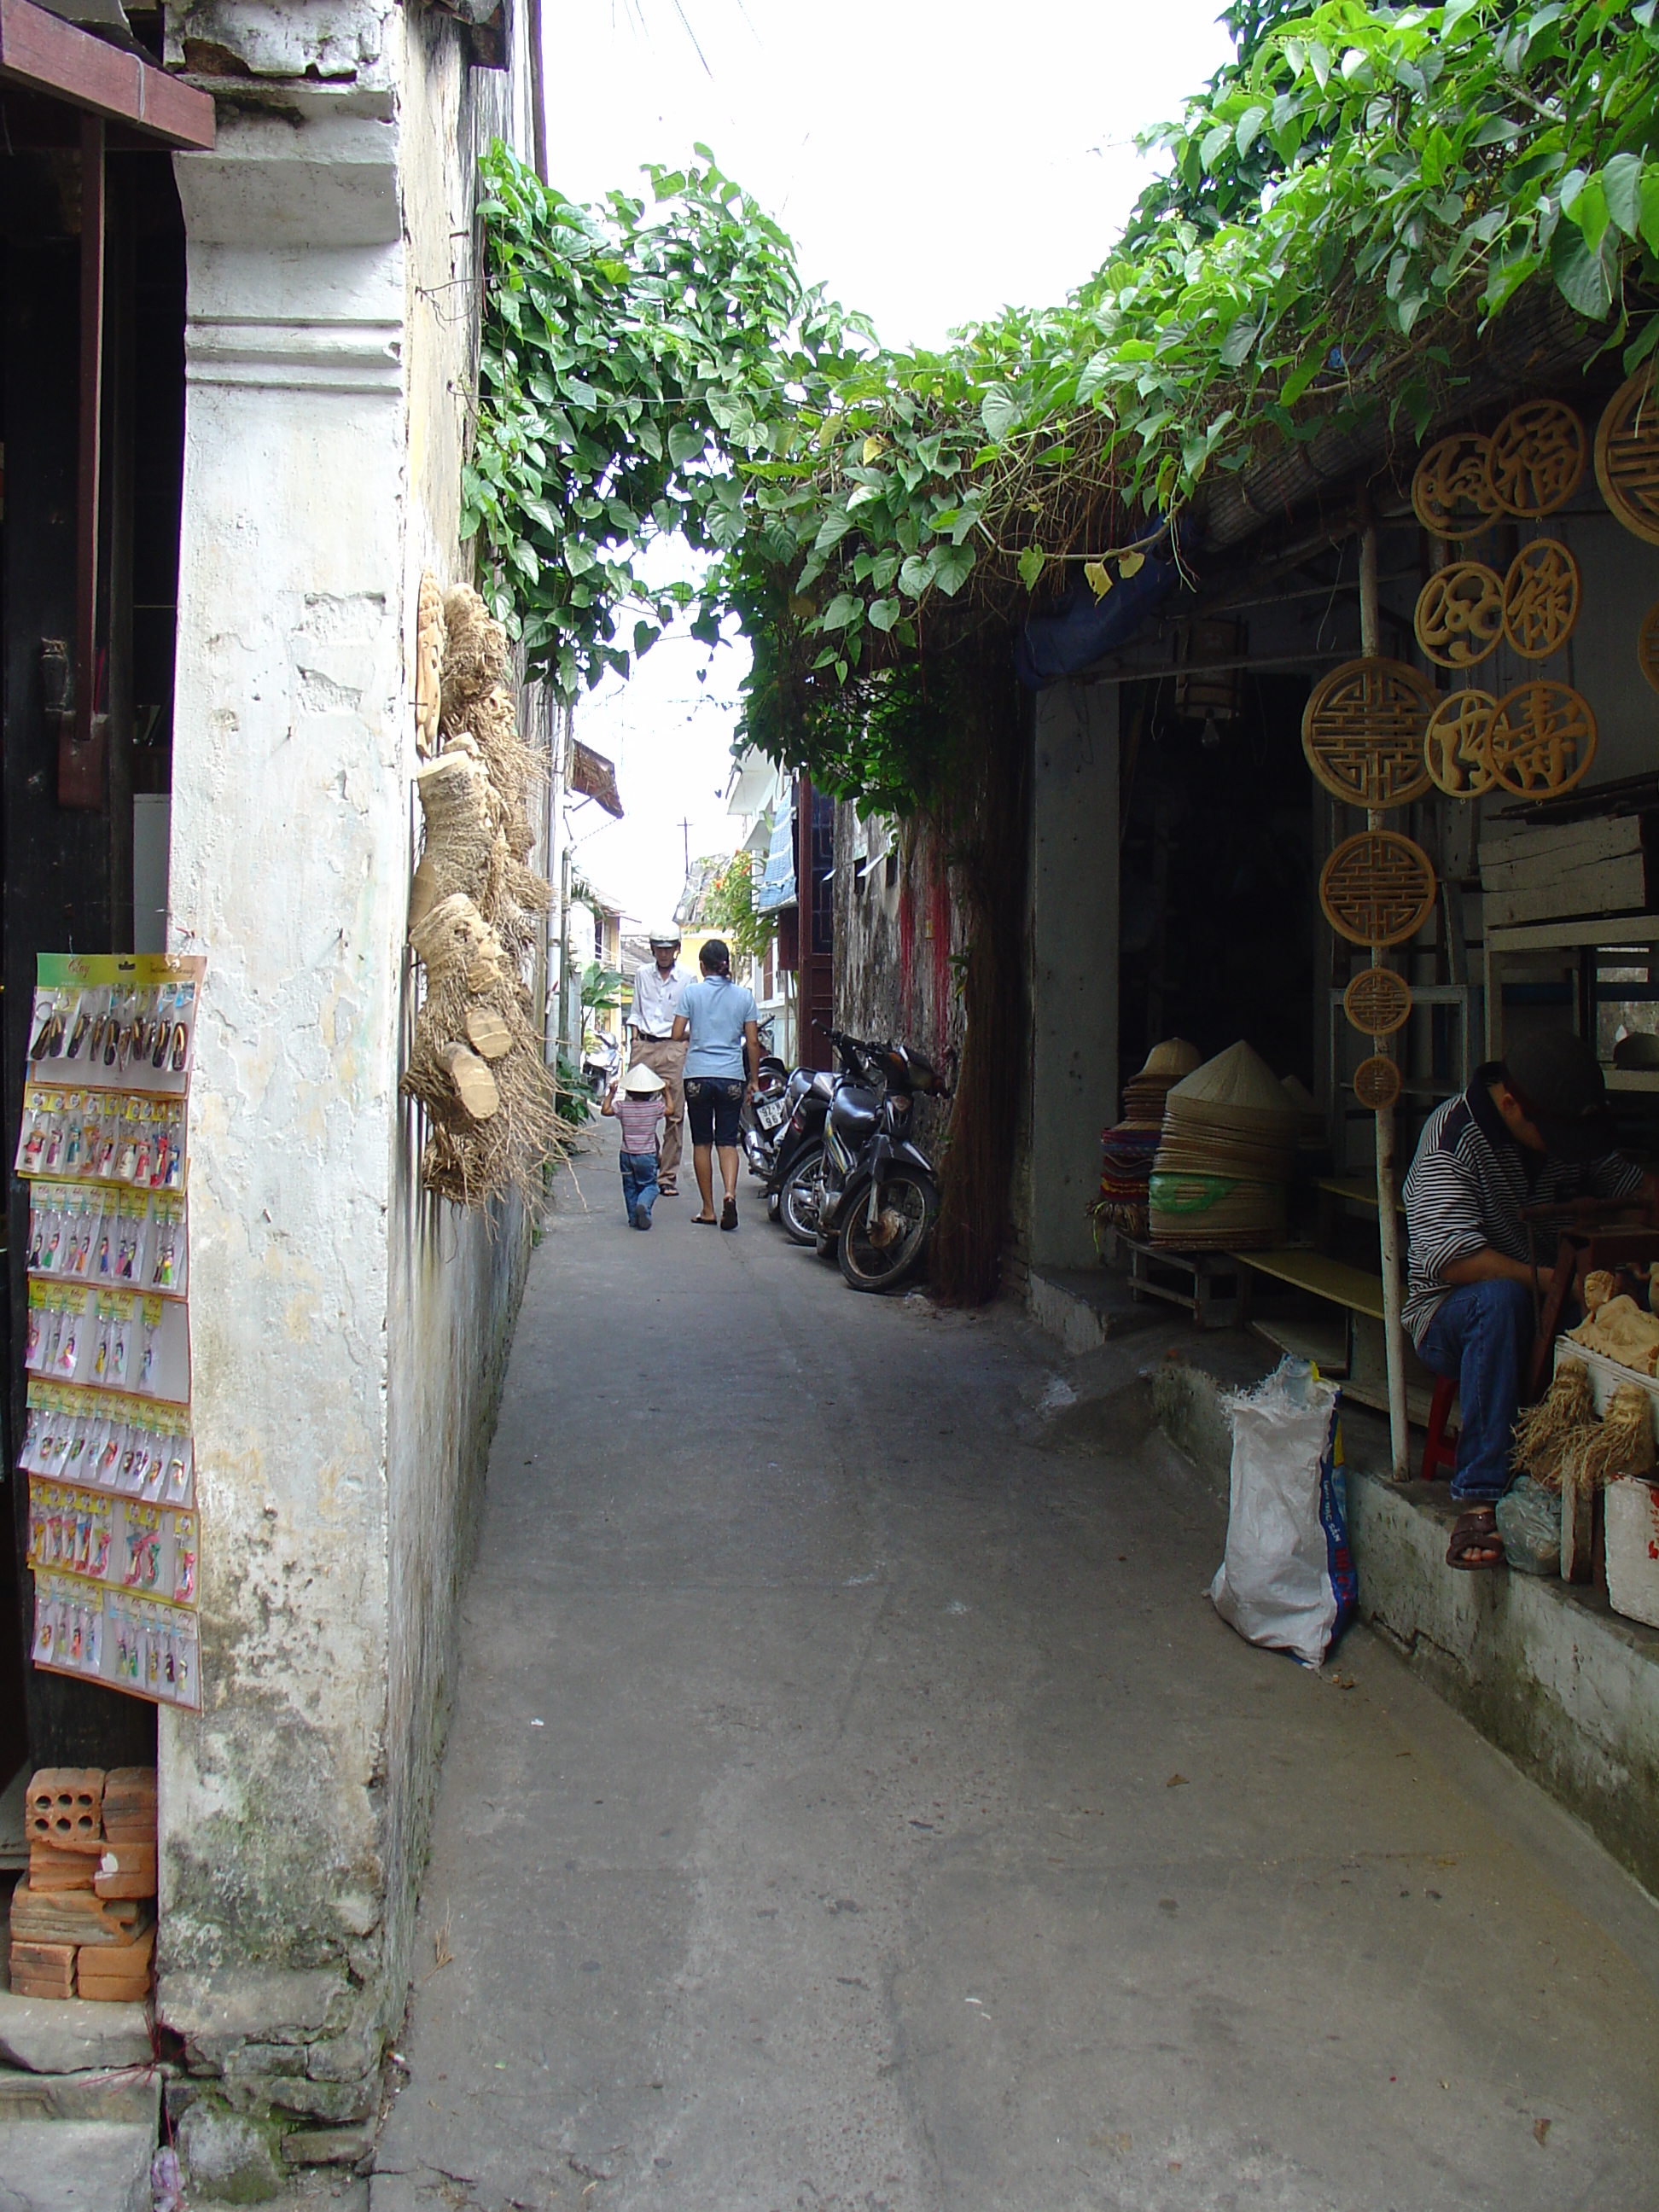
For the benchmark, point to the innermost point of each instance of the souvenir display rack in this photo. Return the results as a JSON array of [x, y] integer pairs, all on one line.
[[114, 1527]]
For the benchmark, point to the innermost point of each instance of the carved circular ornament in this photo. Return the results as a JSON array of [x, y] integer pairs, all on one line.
[[1450, 494], [1377, 1002], [1454, 744], [1377, 1083], [1378, 888], [1459, 614], [1537, 458], [1543, 738], [1647, 645], [1627, 455], [1542, 599], [1362, 731]]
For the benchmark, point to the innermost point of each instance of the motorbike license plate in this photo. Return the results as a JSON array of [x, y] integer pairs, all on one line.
[[768, 1112]]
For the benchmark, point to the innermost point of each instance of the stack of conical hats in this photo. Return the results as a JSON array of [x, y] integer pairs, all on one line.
[[1311, 1131], [1127, 1149], [1227, 1151]]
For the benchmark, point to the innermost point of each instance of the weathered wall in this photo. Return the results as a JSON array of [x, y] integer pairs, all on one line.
[[349, 1339], [898, 927]]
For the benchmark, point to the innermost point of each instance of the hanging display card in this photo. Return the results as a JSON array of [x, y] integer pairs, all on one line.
[[113, 1528]]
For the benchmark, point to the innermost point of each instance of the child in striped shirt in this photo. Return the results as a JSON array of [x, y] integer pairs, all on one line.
[[640, 1110]]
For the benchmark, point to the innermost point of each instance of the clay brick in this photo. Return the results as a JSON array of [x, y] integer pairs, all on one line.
[[64, 1802], [42, 1969], [126, 1870], [51, 1869], [129, 1804]]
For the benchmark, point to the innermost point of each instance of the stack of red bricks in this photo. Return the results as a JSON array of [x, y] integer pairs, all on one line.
[[83, 1925]]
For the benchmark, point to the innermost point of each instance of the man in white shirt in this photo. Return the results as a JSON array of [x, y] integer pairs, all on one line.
[[658, 984]]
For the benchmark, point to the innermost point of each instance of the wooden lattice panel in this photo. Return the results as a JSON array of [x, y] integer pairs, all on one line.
[[1627, 455], [1362, 731], [1542, 739], [1543, 597], [1537, 456], [1459, 614], [1454, 744], [1451, 496], [1376, 1082], [1378, 888], [1377, 1002], [1647, 645]]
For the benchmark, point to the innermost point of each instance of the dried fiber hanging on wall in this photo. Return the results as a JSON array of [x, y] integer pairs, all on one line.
[[475, 1067]]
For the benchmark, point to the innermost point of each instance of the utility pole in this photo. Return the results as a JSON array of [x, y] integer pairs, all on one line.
[[685, 832]]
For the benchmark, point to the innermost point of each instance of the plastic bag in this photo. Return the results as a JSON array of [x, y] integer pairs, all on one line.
[[1529, 1522], [1287, 1581]]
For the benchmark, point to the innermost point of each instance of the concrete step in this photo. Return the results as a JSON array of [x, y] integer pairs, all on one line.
[[1545, 1669], [52, 2035], [77, 2142]]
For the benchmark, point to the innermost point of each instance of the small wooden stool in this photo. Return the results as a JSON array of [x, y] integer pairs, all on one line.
[[1439, 1457]]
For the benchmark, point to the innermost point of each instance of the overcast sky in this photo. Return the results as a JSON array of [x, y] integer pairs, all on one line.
[[933, 163]]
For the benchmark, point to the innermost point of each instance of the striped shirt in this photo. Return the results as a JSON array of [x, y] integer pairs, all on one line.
[[639, 1118], [1466, 1187]]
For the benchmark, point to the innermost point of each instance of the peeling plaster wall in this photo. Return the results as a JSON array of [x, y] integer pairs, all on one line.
[[349, 1338]]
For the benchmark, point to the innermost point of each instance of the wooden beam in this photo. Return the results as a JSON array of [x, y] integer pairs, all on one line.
[[47, 55]]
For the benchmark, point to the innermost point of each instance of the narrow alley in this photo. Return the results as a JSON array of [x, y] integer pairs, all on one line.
[[853, 1800]]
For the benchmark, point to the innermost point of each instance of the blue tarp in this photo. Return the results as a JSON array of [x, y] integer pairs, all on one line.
[[1080, 629], [777, 886]]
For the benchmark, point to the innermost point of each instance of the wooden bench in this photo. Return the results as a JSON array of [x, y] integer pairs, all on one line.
[[1354, 1352]]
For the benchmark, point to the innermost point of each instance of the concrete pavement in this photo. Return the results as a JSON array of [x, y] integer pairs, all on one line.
[[853, 1801]]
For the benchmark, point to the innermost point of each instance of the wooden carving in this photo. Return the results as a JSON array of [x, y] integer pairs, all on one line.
[[1536, 461], [1542, 739], [1455, 744], [1376, 1082], [1362, 731], [1627, 455], [1450, 494], [1378, 888], [1377, 1002], [1459, 614], [1542, 599], [1647, 645]]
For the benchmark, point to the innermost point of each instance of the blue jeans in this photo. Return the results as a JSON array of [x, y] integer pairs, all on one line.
[[638, 1175], [1480, 1336]]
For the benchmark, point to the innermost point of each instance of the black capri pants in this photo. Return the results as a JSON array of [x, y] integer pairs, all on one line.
[[714, 1107]]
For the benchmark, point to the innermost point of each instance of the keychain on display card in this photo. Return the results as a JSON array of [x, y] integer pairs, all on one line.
[[37, 1233], [103, 1536], [152, 1650], [45, 1607], [122, 1353], [49, 1027], [183, 1027], [101, 1358], [32, 1341], [51, 1332], [54, 1147], [141, 1157], [184, 1647], [99, 1023], [33, 1437], [110, 1452], [80, 1025], [31, 1141], [182, 1488], [108, 1139], [75, 1134], [96, 1638], [183, 1558], [156, 1471], [166, 1260], [146, 1382], [35, 1553], [81, 1554], [74, 1463], [161, 1037]]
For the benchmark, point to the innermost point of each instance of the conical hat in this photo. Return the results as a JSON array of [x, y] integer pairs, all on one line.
[[1298, 1094], [1237, 1084], [1169, 1060]]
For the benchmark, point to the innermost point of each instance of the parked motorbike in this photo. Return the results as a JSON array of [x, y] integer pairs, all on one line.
[[792, 1191], [878, 1198], [601, 1061], [764, 1115]]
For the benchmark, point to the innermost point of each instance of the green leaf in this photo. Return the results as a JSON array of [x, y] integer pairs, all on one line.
[[1621, 183], [1438, 159], [998, 413], [833, 528], [1250, 128], [953, 566], [916, 575], [844, 607], [1236, 346], [685, 442], [883, 613], [1032, 562], [1648, 220], [1582, 274]]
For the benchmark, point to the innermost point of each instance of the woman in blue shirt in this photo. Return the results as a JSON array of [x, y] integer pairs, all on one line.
[[718, 1020]]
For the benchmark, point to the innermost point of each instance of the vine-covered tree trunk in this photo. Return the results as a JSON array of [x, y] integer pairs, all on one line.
[[993, 850]]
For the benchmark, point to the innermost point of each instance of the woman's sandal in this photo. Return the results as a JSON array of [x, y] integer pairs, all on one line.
[[729, 1214], [703, 1221], [1475, 1542]]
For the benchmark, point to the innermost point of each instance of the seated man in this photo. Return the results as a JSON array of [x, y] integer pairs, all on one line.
[[1532, 1129]]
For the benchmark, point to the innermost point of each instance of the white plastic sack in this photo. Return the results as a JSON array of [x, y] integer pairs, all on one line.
[[1287, 1581]]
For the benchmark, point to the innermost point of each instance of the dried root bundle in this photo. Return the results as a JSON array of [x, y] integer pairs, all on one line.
[[1623, 1442], [476, 1064], [430, 633], [1544, 1432]]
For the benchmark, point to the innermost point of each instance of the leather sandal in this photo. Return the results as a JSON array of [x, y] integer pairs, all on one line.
[[1475, 1542]]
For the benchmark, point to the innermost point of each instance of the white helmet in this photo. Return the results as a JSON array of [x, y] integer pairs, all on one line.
[[671, 935]]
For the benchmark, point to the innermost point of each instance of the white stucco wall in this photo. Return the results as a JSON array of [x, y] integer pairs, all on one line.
[[348, 1335]]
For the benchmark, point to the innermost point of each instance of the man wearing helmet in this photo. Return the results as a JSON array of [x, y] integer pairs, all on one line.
[[658, 984]]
